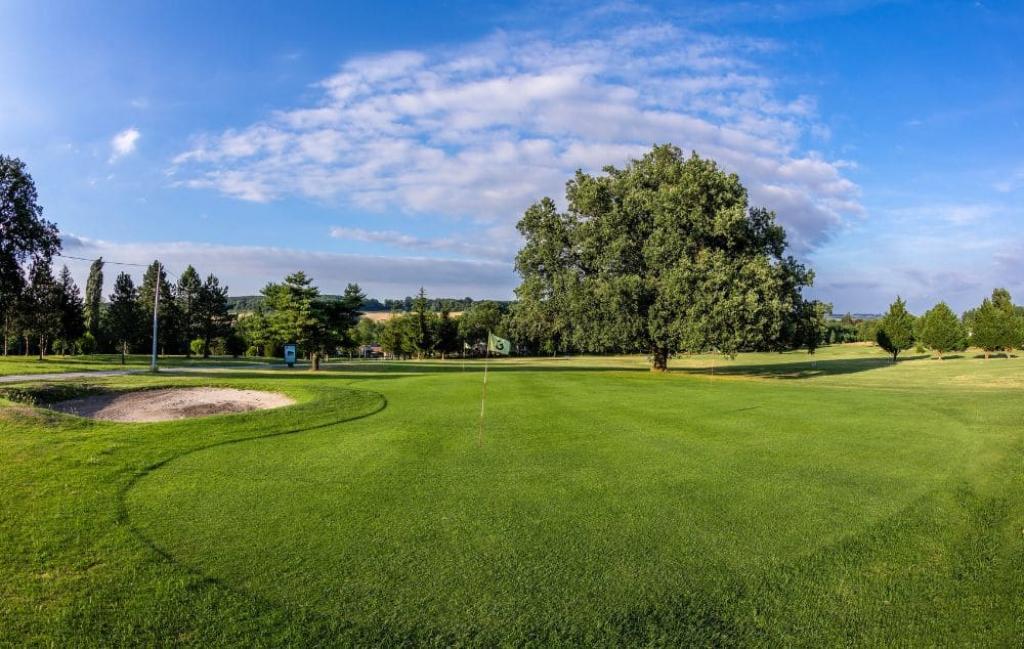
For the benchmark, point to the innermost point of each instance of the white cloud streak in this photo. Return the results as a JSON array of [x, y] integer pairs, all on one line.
[[482, 131]]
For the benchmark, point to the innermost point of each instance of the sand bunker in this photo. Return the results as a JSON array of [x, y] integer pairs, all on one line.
[[172, 403]]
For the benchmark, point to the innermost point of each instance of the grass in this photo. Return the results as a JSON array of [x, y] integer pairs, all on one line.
[[18, 364], [836, 500]]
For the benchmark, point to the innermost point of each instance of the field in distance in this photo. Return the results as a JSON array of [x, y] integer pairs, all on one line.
[[774, 499]]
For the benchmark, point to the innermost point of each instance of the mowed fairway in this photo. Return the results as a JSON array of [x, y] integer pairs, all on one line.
[[786, 500]]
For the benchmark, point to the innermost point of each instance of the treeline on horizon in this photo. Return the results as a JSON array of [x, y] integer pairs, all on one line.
[[662, 257], [243, 303]]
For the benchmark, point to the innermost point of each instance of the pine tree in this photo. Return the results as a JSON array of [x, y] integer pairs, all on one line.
[[991, 328], [941, 330], [423, 331], [70, 307], [187, 297], [93, 297], [168, 321], [211, 310], [125, 320], [1012, 330], [895, 331], [41, 310]]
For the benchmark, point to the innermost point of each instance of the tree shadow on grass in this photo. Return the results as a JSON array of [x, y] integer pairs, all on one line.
[[807, 369]]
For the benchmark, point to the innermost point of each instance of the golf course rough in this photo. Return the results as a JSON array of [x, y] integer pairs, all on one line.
[[782, 502]]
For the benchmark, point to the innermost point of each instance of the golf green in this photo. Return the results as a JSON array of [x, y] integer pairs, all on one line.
[[775, 499]]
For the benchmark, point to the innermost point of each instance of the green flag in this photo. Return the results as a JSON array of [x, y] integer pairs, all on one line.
[[498, 345]]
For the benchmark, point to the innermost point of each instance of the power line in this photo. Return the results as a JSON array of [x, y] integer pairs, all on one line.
[[118, 263]]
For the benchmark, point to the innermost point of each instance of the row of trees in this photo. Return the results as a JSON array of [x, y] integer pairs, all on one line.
[[997, 325], [425, 332]]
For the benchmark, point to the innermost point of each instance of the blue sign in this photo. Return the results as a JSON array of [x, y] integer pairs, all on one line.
[[289, 355]]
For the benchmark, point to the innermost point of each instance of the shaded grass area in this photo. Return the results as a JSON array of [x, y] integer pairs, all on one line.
[[606, 506], [97, 362]]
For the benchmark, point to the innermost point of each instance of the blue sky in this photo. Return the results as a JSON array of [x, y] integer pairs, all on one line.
[[397, 146]]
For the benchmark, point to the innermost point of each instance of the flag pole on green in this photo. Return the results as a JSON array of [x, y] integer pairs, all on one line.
[[501, 347]]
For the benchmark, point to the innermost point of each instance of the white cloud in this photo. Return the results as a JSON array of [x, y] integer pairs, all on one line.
[[482, 131], [124, 143], [246, 269], [494, 243]]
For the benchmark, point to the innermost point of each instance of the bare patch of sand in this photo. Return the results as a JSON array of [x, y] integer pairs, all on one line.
[[171, 403]]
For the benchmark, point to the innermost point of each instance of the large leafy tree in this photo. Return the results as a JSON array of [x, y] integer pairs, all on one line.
[[941, 330], [125, 318], [895, 331], [70, 310], [93, 297], [25, 236], [447, 337], [477, 320], [662, 256]]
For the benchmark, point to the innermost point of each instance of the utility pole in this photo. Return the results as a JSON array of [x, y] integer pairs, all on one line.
[[156, 313]]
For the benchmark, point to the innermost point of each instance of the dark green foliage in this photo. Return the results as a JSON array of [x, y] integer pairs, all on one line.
[[39, 314], [71, 312], [942, 331], [991, 328], [211, 312], [660, 257], [448, 341], [895, 331], [94, 297], [187, 295], [25, 236], [125, 320], [478, 320], [169, 320]]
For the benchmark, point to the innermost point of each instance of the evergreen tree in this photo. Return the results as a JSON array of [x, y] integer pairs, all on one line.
[[291, 316], [423, 332], [186, 297], [93, 297], [41, 306], [895, 332], [1011, 320], [211, 310], [70, 306], [125, 320], [941, 330], [168, 320], [991, 330]]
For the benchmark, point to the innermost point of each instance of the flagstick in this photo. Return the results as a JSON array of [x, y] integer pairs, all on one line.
[[483, 398]]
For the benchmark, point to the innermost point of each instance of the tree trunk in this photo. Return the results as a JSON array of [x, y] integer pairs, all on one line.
[[659, 360], [315, 361], [124, 350], [42, 343]]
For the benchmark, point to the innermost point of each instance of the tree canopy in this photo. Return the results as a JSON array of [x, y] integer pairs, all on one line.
[[662, 256], [941, 330], [895, 331]]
